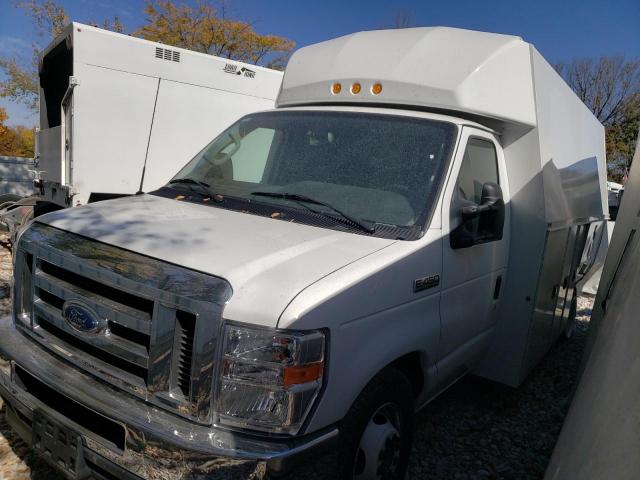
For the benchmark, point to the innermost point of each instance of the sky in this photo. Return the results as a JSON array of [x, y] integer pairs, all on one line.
[[560, 29]]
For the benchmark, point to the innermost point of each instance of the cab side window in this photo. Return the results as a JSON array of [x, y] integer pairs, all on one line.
[[479, 166], [477, 206]]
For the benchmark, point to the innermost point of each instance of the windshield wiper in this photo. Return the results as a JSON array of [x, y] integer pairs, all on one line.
[[301, 199], [190, 181]]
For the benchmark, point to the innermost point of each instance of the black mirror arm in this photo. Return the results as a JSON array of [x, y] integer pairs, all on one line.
[[472, 211]]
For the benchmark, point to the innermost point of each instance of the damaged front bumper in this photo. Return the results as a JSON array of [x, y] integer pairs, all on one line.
[[105, 433]]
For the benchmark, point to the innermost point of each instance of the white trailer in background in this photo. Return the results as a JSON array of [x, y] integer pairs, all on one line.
[[110, 102], [120, 114]]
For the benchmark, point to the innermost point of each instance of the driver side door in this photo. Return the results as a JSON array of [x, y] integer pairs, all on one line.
[[473, 272]]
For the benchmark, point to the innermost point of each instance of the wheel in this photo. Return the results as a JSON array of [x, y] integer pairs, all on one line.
[[376, 434]]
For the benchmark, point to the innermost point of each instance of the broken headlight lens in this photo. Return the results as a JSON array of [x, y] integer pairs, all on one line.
[[269, 379]]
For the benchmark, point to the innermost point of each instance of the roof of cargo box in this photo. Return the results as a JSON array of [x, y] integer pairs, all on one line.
[[477, 73], [102, 48]]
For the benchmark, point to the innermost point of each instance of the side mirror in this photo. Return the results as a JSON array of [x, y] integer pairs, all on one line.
[[481, 223]]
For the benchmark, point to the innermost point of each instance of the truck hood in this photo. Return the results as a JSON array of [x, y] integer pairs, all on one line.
[[266, 261]]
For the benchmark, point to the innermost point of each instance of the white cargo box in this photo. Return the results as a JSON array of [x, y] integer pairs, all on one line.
[[109, 101]]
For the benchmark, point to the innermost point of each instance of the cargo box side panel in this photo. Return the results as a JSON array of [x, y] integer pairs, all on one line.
[[187, 118], [541, 329], [94, 46], [112, 119], [571, 148], [574, 178]]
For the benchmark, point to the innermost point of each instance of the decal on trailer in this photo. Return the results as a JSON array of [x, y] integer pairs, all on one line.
[[234, 70]]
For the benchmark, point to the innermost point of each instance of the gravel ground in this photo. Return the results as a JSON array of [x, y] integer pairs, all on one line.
[[476, 430]]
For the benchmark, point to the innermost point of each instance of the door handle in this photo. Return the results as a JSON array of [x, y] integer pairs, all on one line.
[[496, 288]]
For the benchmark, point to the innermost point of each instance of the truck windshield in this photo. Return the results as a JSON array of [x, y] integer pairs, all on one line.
[[374, 168]]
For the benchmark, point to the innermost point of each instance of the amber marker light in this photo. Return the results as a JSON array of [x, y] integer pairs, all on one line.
[[302, 374], [376, 88], [336, 88], [355, 88]]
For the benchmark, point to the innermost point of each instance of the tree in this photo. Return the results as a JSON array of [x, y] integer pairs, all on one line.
[[610, 88], [401, 19], [115, 25], [15, 141], [50, 20], [621, 139], [207, 29], [21, 84], [48, 17], [3, 118]]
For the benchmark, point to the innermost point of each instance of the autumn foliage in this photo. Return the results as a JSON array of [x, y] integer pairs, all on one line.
[[15, 141], [207, 29]]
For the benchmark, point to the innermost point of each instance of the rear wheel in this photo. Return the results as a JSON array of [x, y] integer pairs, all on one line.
[[376, 434]]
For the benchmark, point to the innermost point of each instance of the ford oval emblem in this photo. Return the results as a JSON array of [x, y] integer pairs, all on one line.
[[81, 317]]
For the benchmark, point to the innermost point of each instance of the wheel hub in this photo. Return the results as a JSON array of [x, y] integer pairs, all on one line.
[[379, 451]]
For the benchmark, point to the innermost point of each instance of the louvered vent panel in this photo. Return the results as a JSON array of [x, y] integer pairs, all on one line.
[[186, 326], [166, 54]]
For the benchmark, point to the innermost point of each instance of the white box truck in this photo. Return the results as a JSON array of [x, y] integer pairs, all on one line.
[[415, 208], [119, 114]]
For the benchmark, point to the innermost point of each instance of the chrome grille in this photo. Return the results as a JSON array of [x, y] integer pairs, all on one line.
[[185, 332], [159, 322]]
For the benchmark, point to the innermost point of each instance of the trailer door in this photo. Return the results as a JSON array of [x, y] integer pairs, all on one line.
[[67, 132]]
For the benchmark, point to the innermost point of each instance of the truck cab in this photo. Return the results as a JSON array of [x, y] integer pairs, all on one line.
[[317, 272]]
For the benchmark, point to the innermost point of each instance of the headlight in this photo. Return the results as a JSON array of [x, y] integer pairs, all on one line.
[[269, 379]]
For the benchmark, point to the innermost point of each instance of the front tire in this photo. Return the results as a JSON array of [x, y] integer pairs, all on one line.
[[376, 434]]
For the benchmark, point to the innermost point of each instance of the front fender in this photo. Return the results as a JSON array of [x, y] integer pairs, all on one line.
[[374, 317]]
